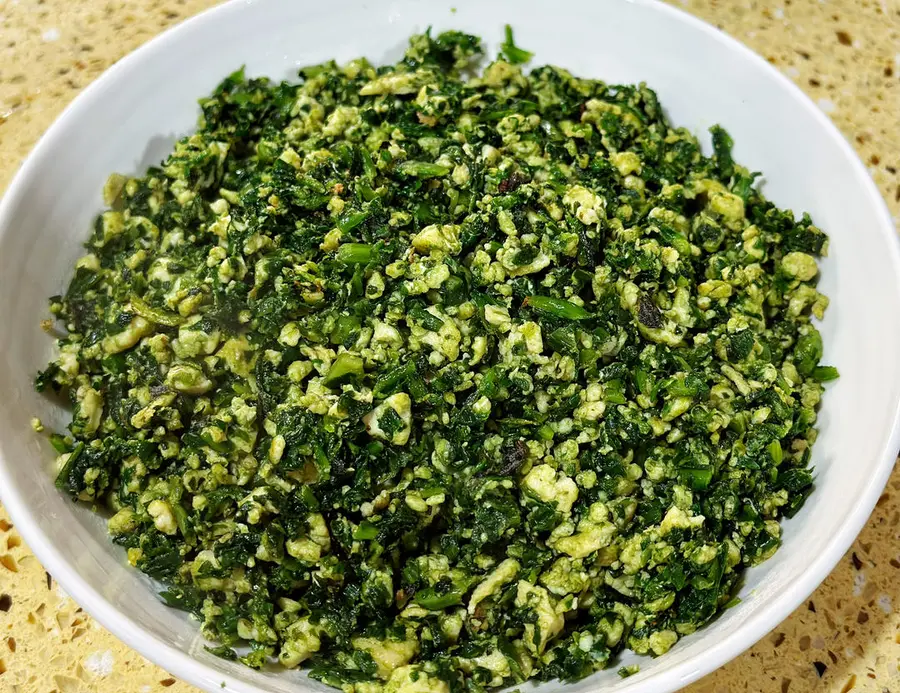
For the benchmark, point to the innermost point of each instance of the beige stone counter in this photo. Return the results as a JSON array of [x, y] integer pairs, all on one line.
[[844, 54]]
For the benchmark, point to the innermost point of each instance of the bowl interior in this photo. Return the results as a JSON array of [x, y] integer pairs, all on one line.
[[130, 118]]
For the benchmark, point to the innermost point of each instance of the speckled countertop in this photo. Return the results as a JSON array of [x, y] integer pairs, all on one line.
[[843, 53]]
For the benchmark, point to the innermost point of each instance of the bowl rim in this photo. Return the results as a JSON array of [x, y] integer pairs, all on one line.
[[187, 668]]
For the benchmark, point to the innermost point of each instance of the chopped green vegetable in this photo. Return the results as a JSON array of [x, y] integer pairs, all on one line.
[[355, 253], [365, 532], [160, 317], [423, 169], [509, 50], [630, 670], [347, 367], [430, 382], [824, 374], [557, 307]]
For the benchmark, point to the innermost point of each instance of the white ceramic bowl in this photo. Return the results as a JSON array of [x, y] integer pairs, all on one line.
[[130, 117]]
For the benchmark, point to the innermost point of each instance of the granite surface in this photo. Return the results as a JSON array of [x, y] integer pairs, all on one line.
[[845, 54]]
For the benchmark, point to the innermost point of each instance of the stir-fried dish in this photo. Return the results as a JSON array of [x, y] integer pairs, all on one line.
[[429, 379]]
